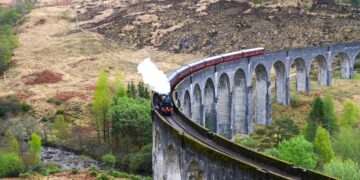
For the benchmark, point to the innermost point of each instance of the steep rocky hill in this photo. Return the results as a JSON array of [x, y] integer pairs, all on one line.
[[212, 27]]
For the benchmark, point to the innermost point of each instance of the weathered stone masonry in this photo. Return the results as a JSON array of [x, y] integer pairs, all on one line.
[[223, 98]]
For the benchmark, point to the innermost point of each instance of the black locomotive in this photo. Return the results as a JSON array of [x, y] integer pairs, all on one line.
[[165, 104]]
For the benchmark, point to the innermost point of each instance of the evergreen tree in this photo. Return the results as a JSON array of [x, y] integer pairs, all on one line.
[[278, 131], [143, 91], [119, 87], [330, 119], [322, 145], [315, 118], [102, 100], [351, 115], [284, 129], [131, 90], [35, 149]]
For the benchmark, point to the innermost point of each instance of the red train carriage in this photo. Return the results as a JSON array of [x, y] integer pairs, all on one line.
[[233, 56], [213, 61], [197, 66]]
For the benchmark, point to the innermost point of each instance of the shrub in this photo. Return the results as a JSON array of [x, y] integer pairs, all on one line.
[[258, 1], [61, 127], [93, 173], [294, 100], [272, 152], [74, 171], [9, 143], [246, 141], [139, 162], [8, 42], [298, 151], [345, 170], [9, 16], [10, 105], [60, 112], [26, 107], [10, 165], [103, 177], [116, 173], [41, 169], [134, 177], [52, 168], [347, 144], [54, 101], [24, 175], [109, 160]]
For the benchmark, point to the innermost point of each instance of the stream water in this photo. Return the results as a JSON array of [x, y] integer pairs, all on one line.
[[66, 159]]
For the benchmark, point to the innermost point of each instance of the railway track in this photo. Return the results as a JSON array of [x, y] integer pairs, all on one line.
[[179, 124]]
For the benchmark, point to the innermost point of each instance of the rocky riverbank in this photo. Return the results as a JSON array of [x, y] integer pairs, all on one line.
[[67, 160]]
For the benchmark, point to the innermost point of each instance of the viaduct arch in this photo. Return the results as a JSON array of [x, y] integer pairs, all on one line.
[[215, 103], [237, 94]]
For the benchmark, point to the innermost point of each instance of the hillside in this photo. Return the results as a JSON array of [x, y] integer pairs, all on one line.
[[64, 44], [213, 27], [57, 60]]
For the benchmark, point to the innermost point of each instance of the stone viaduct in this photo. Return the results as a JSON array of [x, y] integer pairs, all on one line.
[[228, 99]]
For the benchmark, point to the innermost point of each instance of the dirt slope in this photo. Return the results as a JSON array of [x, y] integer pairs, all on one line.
[[213, 27], [56, 59]]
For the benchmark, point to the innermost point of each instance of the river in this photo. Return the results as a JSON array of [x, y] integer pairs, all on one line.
[[66, 159]]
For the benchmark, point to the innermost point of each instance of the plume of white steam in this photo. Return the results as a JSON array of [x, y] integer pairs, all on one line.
[[154, 77]]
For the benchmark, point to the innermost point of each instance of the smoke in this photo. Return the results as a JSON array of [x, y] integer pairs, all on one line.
[[154, 77]]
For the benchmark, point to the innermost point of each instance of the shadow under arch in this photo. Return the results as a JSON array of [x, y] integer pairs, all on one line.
[[280, 82], [197, 100], [209, 105], [195, 172], [341, 66], [260, 94], [356, 65], [240, 101], [318, 70], [224, 106], [301, 72], [187, 104]]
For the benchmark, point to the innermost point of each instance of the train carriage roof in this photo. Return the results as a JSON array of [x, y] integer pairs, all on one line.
[[213, 57], [254, 49]]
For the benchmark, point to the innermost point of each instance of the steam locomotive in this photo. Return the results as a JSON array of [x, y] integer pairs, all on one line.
[[165, 104]]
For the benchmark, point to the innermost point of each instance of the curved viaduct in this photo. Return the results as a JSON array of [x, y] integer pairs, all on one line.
[[227, 99]]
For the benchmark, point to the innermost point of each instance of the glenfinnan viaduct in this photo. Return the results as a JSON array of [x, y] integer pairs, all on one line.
[[223, 100]]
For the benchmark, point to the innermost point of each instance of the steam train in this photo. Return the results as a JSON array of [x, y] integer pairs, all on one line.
[[184, 71], [166, 105]]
